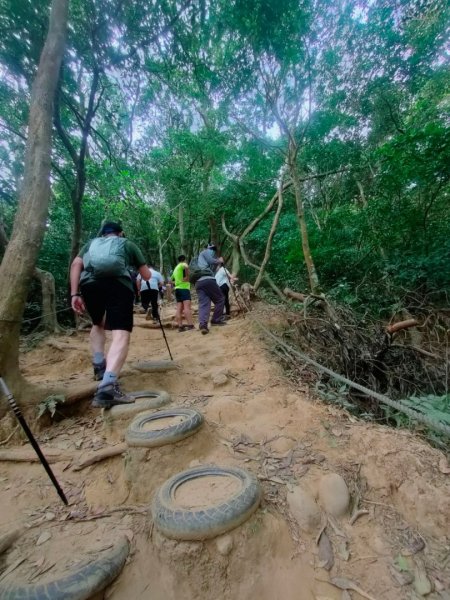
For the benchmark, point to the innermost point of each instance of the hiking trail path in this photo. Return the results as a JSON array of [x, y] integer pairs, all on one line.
[[398, 545]]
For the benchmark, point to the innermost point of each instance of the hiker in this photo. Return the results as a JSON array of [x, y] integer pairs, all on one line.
[[208, 290], [224, 280], [180, 277], [149, 292], [101, 284]]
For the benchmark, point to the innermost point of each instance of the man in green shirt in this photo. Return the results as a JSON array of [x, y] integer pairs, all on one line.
[[180, 276], [101, 283]]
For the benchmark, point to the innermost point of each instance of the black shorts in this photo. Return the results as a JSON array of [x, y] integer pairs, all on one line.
[[182, 295], [110, 297]]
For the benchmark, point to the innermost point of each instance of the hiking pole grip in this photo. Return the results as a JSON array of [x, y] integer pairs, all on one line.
[[31, 438]]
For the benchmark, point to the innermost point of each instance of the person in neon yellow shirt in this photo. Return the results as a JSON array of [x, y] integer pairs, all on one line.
[[180, 276]]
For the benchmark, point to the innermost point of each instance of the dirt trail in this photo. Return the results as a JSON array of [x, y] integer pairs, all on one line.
[[257, 420]]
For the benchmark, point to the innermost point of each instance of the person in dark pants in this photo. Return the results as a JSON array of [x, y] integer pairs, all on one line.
[[101, 284], [208, 290], [149, 292], [224, 279]]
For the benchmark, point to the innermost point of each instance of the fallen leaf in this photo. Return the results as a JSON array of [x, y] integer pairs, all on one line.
[[326, 557], [342, 550], [401, 563], [444, 467], [422, 584], [129, 534], [44, 537], [402, 578]]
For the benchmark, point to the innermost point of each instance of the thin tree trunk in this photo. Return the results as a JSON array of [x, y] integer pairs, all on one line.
[[235, 260], [181, 228], [19, 261], [312, 273], [160, 250], [275, 222], [239, 244]]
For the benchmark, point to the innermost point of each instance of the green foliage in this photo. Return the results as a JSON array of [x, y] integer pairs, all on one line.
[[50, 404], [196, 107]]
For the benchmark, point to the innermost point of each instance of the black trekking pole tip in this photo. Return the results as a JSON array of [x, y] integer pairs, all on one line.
[[19, 416]]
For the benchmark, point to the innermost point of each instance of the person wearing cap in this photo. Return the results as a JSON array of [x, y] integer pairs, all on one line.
[[207, 289], [101, 284]]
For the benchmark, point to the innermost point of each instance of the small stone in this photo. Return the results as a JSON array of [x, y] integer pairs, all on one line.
[[224, 545], [334, 495], [304, 509], [220, 379], [50, 516]]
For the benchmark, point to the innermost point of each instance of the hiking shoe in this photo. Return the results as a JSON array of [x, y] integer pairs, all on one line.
[[110, 395], [219, 323], [189, 327], [182, 328], [99, 370], [204, 330], [148, 314]]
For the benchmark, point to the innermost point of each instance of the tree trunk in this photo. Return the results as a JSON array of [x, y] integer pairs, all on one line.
[[3, 239], [275, 222], [312, 273], [181, 228], [160, 250], [17, 267], [235, 260], [49, 321]]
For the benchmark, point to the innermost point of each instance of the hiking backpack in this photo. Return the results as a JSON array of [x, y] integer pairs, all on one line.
[[106, 257], [196, 271]]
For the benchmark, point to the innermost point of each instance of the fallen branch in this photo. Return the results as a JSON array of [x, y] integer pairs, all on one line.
[[417, 349], [391, 329], [25, 455], [295, 295], [100, 455]]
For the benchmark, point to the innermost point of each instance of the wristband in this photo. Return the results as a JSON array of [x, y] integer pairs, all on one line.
[[73, 295]]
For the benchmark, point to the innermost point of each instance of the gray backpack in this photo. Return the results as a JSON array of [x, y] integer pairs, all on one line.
[[106, 257]]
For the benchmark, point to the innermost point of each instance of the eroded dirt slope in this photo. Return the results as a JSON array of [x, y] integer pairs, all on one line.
[[398, 547]]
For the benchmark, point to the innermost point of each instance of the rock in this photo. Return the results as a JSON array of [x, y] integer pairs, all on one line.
[[304, 509], [220, 379], [334, 495], [224, 544]]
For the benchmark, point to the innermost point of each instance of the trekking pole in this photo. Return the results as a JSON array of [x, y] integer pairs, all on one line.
[[164, 334], [32, 439]]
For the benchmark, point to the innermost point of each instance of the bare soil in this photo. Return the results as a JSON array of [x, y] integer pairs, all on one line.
[[399, 547]]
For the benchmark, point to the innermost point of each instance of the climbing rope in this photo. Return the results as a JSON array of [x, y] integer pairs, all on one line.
[[395, 404]]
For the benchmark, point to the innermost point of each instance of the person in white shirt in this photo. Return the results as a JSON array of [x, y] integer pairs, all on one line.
[[224, 279], [149, 292]]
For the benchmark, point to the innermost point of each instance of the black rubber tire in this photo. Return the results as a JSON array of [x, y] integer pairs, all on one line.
[[155, 399], [200, 524], [137, 436], [84, 582]]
